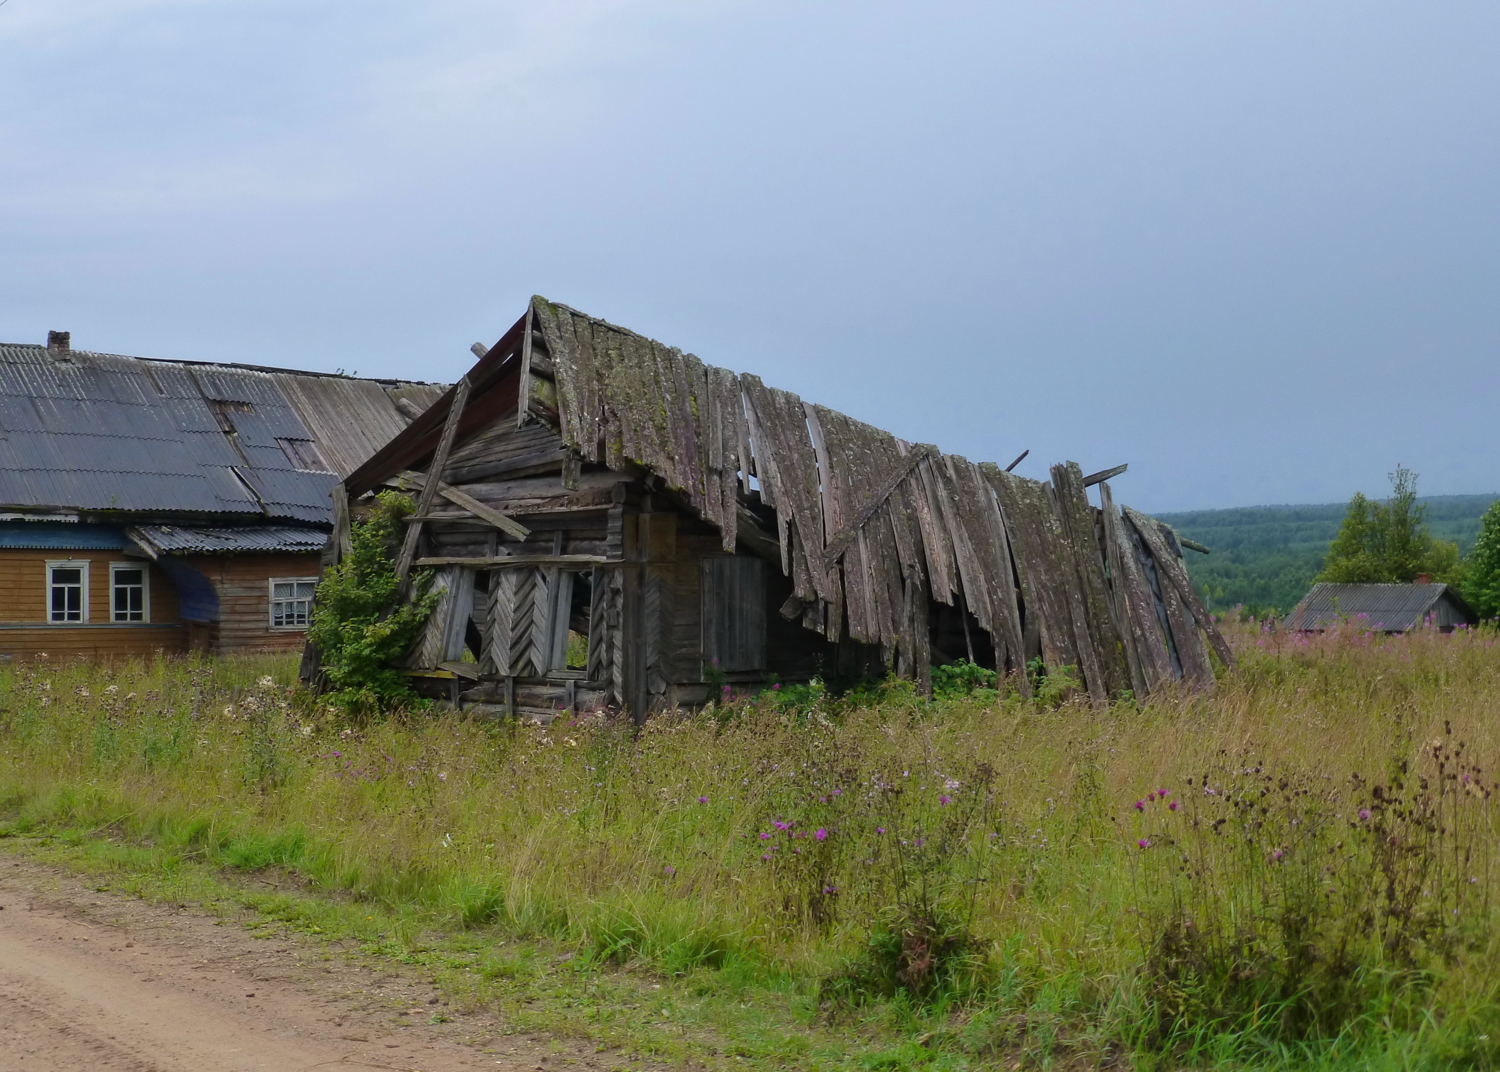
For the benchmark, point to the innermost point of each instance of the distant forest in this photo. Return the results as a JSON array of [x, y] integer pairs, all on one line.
[[1264, 557]]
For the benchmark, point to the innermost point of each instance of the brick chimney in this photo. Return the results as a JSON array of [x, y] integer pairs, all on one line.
[[60, 344], [1424, 578]]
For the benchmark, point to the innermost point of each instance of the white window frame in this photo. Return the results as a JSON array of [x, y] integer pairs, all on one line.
[[68, 563], [145, 568], [273, 601]]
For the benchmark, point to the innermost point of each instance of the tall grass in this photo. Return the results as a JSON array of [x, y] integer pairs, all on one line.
[[1302, 862]]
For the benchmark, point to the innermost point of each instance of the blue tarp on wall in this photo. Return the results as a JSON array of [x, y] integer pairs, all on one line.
[[197, 601]]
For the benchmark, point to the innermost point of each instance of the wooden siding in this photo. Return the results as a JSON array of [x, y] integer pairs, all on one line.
[[244, 586], [25, 631], [734, 612]]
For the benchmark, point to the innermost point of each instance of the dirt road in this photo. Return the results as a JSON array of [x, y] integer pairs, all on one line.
[[93, 980]]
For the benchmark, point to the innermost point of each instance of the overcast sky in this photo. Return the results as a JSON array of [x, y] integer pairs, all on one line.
[[1250, 248]]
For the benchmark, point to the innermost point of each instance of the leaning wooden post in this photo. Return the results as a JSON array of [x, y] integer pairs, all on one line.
[[430, 488], [522, 409]]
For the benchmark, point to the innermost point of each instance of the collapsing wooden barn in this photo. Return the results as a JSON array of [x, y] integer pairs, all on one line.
[[611, 522]]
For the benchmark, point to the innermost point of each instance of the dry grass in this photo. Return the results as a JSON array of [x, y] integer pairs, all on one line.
[[1010, 825]]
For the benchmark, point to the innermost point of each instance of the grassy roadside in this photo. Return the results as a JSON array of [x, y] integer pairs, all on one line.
[[1301, 870], [702, 1018]]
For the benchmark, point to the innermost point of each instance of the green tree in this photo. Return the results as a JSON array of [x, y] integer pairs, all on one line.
[[1482, 571], [358, 624], [1389, 542]]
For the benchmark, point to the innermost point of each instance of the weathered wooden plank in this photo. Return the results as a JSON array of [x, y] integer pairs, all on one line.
[[1027, 512], [789, 452], [1077, 520], [937, 546], [990, 544], [342, 546], [1102, 475], [1089, 660], [429, 491], [458, 497], [845, 532], [504, 615], [550, 459], [526, 333], [1153, 532], [1142, 676], [1192, 654], [504, 562]]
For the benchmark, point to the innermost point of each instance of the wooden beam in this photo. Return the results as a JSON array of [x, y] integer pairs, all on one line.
[[467, 671], [1153, 532], [500, 561], [430, 489], [502, 521], [841, 541], [1104, 474], [1019, 459], [525, 393], [341, 537]]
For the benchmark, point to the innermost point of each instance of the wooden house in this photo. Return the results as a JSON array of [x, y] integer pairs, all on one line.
[[151, 505], [1385, 608], [613, 522]]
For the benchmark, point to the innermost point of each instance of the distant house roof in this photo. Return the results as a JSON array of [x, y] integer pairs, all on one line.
[[92, 432], [243, 539], [1393, 608]]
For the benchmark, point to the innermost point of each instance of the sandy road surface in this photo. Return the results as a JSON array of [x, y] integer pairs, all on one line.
[[93, 980]]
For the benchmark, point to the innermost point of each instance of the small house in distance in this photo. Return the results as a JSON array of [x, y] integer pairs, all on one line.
[[150, 505], [612, 522], [1388, 608]]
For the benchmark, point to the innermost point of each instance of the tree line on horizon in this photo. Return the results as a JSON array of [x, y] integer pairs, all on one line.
[[1266, 558]]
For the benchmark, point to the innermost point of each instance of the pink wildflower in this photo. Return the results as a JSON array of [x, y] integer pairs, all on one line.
[[1140, 805], [945, 800], [702, 800], [1173, 806], [1364, 815], [1143, 843], [821, 835]]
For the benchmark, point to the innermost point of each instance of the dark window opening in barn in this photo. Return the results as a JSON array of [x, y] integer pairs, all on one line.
[[577, 652], [67, 596], [734, 613], [957, 637]]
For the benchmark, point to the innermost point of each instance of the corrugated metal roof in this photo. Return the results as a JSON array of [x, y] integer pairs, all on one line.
[[1390, 607], [90, 431], [182, 540], [61, 536]]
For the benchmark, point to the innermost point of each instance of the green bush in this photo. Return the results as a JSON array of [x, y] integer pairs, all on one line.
[[1389, 542], [1482, 573], [359, 626]]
